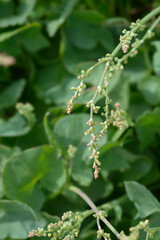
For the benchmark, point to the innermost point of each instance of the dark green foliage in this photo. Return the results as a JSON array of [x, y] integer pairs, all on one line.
[[49, 43]]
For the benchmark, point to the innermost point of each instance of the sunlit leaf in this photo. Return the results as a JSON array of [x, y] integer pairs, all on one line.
[[5, 154], [142, 198], [37, 168], [14, 126], [17, 219]]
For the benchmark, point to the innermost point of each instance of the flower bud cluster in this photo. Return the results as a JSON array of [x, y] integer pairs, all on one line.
[[91, 104], [136, 43], [150, 34], [108, 58], [71, 151], [107, 122], [93, 146], [119, 65], [128, 36], [77, 91], [135, 231], [65, 229], [126, 39], [118, 117], [138, 25], [100, 214], [27, 110], [38, 233], [101, 233], [133, 53]]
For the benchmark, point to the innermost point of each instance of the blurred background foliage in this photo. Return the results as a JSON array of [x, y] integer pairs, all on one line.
[[44, 44]]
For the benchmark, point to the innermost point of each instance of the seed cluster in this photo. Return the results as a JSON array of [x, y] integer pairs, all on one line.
[[126, 39], [127, 36], [66, 229], [27, 111]]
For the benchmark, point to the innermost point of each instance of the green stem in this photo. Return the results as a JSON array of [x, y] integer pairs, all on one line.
[[147, 236], [154, 24], [95, 209], [150, 15], [107, 206], [96, 92], [101, 81]]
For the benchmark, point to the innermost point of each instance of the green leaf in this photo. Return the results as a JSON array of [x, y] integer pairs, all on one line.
[[115, 157], [33, 39], [138, 168], [23, 11], [156, 57], [36, 137], [153, 173], [150, 89], [6, 9], [102, 188], [154, 220], [14, 126], [65, 9], [61, 93], [138, 105], [65, 130], [73, 56], [6, 35], [16, 219], [121, 91], [5, 154], [144, 201], [57, 91], [44, 79], [85, 29], [66, 135], [147, 125], [28, 36], [136, 68], [37, 167], [11, 94]]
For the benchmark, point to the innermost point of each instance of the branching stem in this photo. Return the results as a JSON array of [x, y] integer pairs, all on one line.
[[94, 208]]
